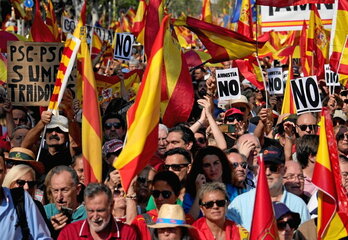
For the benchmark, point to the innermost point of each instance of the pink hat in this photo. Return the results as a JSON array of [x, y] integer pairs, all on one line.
[[233, 111]]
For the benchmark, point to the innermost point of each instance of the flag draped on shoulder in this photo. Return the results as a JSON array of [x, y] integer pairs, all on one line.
[[39, 30], [263, 224], [332, 198], [221, 43], [143, 117], [286, 3], [206, 12], [339, 34], [67, 62], [91, 122]]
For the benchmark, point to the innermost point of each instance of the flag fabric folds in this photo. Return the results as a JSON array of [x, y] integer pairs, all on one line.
[[332, 199], [221, 43], [286, 3], [306, 56], [67, 62], [51, 21], [82, 20], [97, 45], [39, 30], [139, 22], [250, 69], [143, 116], [263, 223], [245, 21], [206, 12], [288, 101], [91, 121]]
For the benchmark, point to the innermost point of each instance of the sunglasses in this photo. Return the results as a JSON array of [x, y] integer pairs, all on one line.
[[57, 130], [210, 204], [21, 183], [200, 140], [311, 127], [282, 224], [233, 117], [345, 101], [118, 191], [165, 194], [108, 126], [175, 167], [236, 164], [272, 167]]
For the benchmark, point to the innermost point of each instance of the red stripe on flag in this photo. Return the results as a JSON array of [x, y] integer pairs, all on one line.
[[88, 170]]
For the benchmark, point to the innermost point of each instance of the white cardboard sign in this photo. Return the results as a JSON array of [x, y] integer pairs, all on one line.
[[228, 83], [275, 81], [123, 48]]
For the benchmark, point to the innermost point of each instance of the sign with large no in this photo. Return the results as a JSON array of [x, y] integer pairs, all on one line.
[[123, 48], [275, 81], [228, 83], [306, 94], [331, 78]]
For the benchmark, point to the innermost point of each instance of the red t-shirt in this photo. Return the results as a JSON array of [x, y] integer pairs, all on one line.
[[80, 230]]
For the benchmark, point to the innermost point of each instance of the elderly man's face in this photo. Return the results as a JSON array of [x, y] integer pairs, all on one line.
[[306, 124], [55, 137], [19, 117], [99, 210], [18, 136], [239, 168], [162, 141], [294, 179], [344, 173]]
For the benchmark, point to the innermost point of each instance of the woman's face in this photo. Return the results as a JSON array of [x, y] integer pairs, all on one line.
[[163, 193], [212, 168], [212, 207], [169, 233], [27, 182], [285, 231]]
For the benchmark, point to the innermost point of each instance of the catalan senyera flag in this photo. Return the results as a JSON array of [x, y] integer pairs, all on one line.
[[91, 121], [206, 12], [176, 82], [288, 100], [221, 43], [139, 22], [154, 16], [82, 20], [39, 30], [318, 41], [245, 22], [263, 223], [143, 117], [339, 33], [67, 62], [332, 200], [51, 20], [286, 3], [306, 56]]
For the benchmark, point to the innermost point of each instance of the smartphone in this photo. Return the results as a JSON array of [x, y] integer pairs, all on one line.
[[67, 212], [227, 128]]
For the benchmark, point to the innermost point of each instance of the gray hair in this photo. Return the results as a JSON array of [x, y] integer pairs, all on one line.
[[162, 127], [93, 189], [212, 187], [59, 169]]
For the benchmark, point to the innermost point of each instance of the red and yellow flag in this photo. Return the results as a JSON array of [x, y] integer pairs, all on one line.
[[288, 102], [332, 200], [221, 43], [39, 30], [19, 10], [318, 41], [139, 22], [97, 45], [67, 62], [286, 3], [82, 20], [206, 12], [245, 22], [51, 20], [339, 34], [3, 69], [306, 56], [143, 117], [91, 122], [263, 224], [250, 69]]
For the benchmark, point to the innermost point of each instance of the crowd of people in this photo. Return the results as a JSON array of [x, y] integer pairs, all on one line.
[[200, 184]]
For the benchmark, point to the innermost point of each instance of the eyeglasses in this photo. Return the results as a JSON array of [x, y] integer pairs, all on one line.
[[292, 177], [165, 194], [175, 167], [116, 125], [242, 164], [118, 191], [282, 224], [21, 183], [210, 204], [200, 140], [272, 167], [311, 127], [233, 117]]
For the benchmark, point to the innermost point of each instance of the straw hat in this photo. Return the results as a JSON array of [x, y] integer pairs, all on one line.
[[25, 156], [170, 216]]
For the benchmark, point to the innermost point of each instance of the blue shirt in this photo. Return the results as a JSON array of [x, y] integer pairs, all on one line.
[[241, 208], [9, 227], [78, 214]]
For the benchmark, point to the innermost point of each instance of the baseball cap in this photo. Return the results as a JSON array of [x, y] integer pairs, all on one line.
[[280, 209], [112, 146], [233, 111], [340, 114], [59, 121], [273, 154]]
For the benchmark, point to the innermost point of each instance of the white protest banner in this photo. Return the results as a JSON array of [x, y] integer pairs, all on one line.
[[228, 83], [68, 25], [275, 81], [306, 94], [123, 48], [291, 18], [331, 78], [103, 33]]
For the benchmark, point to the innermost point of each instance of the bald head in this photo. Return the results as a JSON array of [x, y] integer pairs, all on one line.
[[249, 146]]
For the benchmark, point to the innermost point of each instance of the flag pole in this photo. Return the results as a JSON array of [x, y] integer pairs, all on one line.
[[263, 80], [339, 63]]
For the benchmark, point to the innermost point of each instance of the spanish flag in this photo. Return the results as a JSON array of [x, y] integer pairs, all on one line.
[[251, 70], [221, 43], [245, 22], [82, 20], [97, 44], [306, 56], [143, 117], [139, 22], [288, 101], [39, 30], [206, 12], [332, 199], [91, 122]]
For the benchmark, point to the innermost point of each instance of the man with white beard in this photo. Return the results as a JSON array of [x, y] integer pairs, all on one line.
[[99, 223]]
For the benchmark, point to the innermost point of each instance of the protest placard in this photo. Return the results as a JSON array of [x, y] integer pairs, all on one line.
[[275, 81], [331, 78], [123, 48], [228, 83], [31, 72]]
